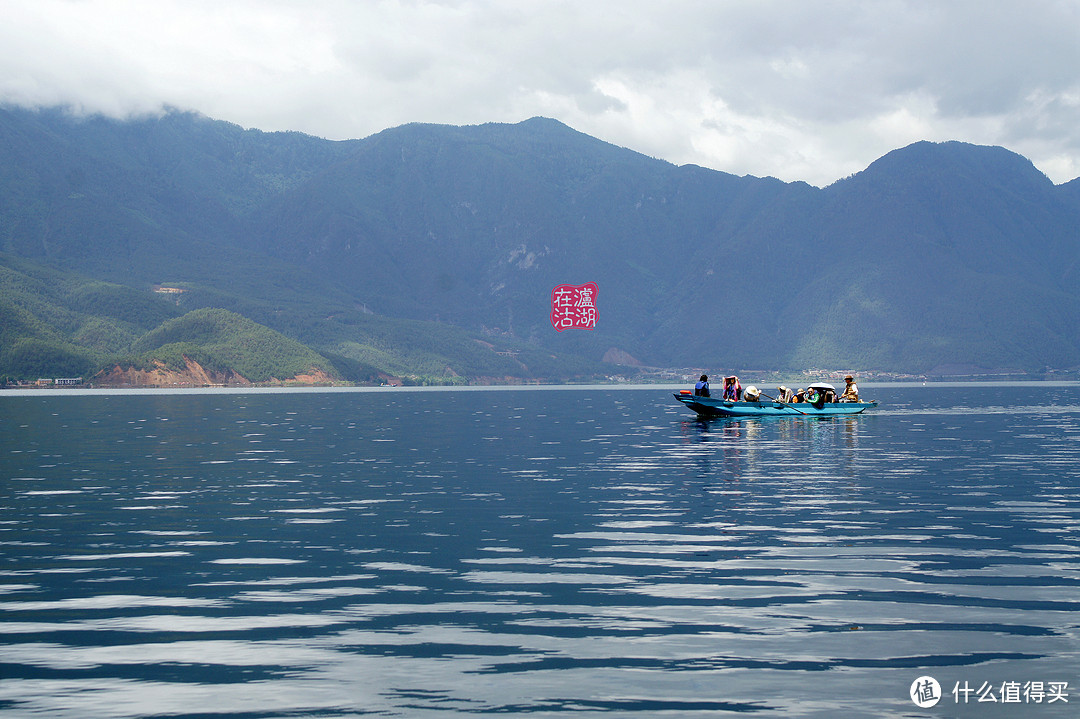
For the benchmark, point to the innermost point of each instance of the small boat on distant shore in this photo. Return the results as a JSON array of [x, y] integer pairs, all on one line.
[[768, 407]]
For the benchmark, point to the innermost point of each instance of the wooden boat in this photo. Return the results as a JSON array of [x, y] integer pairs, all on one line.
[[716, 407]]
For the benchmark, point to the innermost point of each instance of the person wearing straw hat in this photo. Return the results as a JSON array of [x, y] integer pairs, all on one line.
[[851, 391]]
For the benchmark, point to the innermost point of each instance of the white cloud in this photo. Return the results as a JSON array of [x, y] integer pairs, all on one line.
[[801, 91]]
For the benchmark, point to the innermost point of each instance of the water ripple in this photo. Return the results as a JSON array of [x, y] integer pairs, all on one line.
[[593, 552]]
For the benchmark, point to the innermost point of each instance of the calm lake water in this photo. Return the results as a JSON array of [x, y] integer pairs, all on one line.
[[579, 552]]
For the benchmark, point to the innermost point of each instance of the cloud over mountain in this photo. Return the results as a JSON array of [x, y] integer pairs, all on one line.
[[799, 91]]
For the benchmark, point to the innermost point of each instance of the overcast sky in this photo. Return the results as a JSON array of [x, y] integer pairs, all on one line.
[[797, 89]]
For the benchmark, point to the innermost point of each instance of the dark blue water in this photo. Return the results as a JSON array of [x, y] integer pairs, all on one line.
[[571, 552]]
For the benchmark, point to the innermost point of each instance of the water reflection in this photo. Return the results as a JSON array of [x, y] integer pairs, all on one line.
[[513, 552], [749, 449]]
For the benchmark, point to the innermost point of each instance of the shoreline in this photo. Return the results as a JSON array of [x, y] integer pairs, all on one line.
[[360, 389]]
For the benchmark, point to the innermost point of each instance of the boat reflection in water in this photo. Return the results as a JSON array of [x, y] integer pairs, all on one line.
[[738, 449]]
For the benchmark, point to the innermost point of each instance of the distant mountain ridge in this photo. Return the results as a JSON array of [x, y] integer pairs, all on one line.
[[432, 249]]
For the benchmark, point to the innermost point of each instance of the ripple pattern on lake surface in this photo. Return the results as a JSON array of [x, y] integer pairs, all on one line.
[[585, 552]]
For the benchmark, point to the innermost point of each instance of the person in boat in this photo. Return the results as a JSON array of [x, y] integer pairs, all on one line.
[[752, 394], [818, 394], [851, 391], [783, 394], [732, 389], [701, 389]]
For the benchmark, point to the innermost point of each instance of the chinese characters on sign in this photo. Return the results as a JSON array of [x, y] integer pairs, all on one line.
[[573, 307]]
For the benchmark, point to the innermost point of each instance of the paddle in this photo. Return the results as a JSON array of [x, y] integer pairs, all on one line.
[[786, 404]]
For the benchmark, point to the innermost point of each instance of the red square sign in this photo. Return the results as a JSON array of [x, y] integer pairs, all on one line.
[[573, 307]]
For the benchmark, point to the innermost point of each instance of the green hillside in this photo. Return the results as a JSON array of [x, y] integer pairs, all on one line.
[[55, 324], [59, 324], [224, 341]]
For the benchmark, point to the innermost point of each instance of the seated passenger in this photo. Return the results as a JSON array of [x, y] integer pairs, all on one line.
[[783, 394], [701, 389], [851, 391], [732, 389], [819, 393], [752, 394]]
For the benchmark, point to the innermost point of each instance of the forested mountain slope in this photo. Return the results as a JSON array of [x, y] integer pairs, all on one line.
[[434, 249]]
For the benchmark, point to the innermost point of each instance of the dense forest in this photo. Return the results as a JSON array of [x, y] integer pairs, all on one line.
[[430, 252]]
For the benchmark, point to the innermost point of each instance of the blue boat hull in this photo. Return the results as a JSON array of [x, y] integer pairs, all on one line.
[[713, 407]]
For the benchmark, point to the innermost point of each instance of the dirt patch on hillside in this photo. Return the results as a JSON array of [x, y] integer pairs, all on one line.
[[312, 377], [193, 375]]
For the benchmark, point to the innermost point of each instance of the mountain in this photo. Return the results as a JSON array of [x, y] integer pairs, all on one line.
[[167, 201], [973, 259], [918, 261], [433, 250], [475, 225]]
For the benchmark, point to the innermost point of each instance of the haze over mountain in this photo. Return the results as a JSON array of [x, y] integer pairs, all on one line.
[[433, 250]]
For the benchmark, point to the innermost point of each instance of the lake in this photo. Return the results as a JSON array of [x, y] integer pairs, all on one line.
[[551, 552]]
